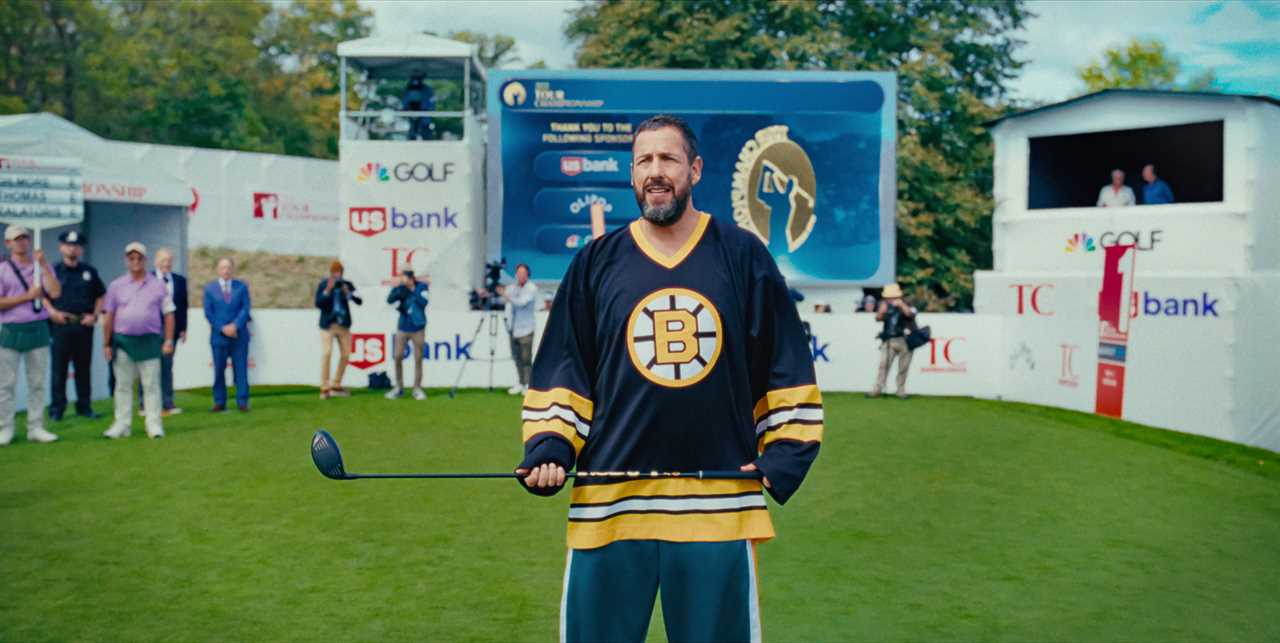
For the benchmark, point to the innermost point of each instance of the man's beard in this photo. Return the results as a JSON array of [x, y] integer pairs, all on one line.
[[663, 215]]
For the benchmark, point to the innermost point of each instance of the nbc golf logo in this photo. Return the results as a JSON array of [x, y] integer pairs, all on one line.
[[1080, 242], [372, 172]]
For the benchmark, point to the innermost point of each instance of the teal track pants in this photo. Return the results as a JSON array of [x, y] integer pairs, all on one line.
[[709, 591]]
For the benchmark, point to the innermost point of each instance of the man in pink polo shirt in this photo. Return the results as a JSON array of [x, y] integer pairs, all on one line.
[[134, 335], [24, 332]]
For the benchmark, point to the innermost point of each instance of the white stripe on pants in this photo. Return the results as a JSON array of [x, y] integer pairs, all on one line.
[[37, 363], [127, 373]]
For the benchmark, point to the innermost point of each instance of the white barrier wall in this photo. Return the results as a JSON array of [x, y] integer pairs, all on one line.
[[250, 201], [285, 349]]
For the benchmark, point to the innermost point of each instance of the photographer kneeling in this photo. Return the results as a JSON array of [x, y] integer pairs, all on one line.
[[410, 298]]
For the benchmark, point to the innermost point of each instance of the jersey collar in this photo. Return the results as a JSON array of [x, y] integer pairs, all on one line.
[[669, 261]]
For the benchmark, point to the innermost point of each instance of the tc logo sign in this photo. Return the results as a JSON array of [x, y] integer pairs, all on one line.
[[398, 257], [367, 221], [367, 350], [942, 356], [1067, 375], [1031, 298], [266, 205]]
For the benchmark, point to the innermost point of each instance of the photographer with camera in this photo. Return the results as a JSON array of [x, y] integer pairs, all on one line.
[[410, 299], [523, 295], [333, 297]]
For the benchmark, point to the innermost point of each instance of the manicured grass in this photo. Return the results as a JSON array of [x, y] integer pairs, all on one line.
[[929, 519]]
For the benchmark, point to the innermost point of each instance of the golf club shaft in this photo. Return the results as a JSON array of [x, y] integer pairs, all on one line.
[[625, 475]]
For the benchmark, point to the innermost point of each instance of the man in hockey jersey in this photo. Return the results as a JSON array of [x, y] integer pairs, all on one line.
[[672, 345]]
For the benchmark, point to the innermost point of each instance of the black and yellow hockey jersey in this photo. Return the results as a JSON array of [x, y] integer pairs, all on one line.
[[695, 361]]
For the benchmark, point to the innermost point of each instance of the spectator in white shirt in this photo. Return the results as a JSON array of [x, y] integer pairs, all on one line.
[[1117, 194], [523, 296]]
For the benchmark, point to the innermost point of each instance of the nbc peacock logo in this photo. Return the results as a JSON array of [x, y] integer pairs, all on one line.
[[373, 172], [1080, 242]]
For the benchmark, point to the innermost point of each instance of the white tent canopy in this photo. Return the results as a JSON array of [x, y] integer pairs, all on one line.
[[400, 55], [108, 176]]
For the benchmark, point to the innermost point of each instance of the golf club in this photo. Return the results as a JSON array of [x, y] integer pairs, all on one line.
[[324, 452]]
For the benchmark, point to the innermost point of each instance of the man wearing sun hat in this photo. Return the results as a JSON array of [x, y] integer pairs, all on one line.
[[898, 318], [134, 335], [24, 332]]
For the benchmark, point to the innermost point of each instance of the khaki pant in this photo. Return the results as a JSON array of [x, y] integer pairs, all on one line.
[[522, 353], [128, 372], [894, 348], [417, 356], [37, 362], [342, 335]]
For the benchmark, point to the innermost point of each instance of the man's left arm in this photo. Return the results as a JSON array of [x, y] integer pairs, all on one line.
[[788, 413]]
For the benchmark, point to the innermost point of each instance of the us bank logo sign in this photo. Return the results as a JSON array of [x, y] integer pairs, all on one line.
[[773, 181]]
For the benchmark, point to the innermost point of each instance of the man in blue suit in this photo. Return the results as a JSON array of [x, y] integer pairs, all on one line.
[[226, 306]]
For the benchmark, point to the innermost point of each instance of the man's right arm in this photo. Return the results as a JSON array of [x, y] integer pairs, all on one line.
[[557, 410]]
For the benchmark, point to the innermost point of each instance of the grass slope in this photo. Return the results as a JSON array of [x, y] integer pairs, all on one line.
[[931, 519]]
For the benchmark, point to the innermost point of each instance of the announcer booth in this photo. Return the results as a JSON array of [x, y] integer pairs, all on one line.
[[1162, 313], [411, 160]]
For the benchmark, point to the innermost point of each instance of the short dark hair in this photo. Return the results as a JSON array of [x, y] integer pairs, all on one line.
[[526, 268], [663, 121]]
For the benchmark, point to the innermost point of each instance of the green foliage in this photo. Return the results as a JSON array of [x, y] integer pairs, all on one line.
[[952, 61], [1141, 64], [255, 75], [493, 50]]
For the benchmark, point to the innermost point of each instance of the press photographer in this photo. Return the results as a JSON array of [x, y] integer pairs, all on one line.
[[523, 296], [410, 299], [333, 297]]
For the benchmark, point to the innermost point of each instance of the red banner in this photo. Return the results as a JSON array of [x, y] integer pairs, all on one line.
[[1113, 327]]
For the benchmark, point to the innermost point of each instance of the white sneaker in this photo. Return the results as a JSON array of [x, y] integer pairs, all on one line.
[[115, 433], [41, 435], [157, 435], [516, 390], [394, 393], [419, 394], [6, 437]]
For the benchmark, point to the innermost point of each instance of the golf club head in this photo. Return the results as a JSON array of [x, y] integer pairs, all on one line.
[[324, 452]]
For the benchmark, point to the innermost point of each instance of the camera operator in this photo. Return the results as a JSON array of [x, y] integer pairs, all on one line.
[[523, 296], [410, 298], [899, 318], [333, 297]]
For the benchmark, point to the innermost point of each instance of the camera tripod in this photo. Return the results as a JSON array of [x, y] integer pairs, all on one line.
[[491, 318]]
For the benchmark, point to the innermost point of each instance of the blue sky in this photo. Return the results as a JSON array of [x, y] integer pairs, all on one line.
[[1239, 40]]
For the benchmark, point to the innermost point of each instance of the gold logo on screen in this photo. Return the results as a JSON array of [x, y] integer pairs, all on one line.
[[674, 337], [773, 180]]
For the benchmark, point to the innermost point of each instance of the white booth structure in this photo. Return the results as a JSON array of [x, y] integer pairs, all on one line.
[[1198, 347], [411, 164]]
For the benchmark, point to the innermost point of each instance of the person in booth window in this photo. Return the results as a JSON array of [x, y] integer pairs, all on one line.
[[1116, 194]]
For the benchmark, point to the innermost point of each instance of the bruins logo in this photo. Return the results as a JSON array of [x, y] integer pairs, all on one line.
[[774, 178], [674, 337]]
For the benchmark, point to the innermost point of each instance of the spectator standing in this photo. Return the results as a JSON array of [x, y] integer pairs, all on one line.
[[523, 297], [24, 332], [868, 304], [176, 285], [410, 298], [418, 97], [1116, 194], [333, 297], [1155, 191], [137, 330], [227, 306], [73, 316], [898, 318]]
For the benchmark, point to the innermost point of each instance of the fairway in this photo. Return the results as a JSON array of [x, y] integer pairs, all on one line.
[[925, 519]]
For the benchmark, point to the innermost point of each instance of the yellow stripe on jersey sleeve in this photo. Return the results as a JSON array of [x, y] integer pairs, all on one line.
[[786, 397], [791, 431], [682, 487], [530, 428], [535, 399]]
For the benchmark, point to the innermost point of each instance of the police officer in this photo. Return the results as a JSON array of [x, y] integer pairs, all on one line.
[[72, 317]]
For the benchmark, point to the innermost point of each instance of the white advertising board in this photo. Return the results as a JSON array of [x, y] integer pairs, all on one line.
[[411, 203]]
